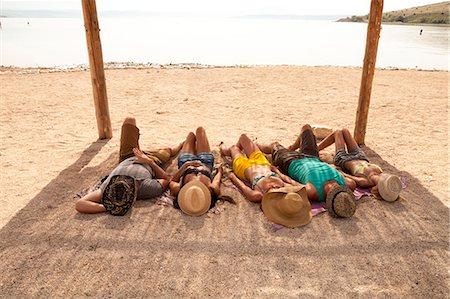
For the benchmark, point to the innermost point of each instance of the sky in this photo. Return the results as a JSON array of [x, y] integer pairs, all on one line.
[[230, 7]]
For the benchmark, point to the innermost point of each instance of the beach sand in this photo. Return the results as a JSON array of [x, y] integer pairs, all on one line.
[[50, 152]]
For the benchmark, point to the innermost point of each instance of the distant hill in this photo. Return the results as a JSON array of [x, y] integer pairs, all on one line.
[[437, 13]]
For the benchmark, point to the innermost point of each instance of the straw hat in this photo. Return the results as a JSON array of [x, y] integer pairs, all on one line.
[[321, 131], [288, 206], [119, 195], [194, 198], [389, 187], [341, 202]]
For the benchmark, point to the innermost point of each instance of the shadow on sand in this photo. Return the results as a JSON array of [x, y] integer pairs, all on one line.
[[395, 249]]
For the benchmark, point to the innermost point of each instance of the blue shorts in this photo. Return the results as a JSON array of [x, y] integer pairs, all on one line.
[[207, 159]]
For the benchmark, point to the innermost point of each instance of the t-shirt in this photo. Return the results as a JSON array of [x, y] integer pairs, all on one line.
[[316, 172], [143, 173]]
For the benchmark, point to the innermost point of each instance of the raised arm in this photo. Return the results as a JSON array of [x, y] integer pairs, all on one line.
[[160, 174], [249, 193]]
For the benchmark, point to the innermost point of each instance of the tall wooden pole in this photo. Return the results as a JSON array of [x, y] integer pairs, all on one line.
[[373, 35], [96, 66]]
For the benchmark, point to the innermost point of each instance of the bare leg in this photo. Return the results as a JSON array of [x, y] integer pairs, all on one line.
[[326, 142], [247, 146], [298, 141], [267, 148], [202, 141], [339, 141], [224, 150], [189, 144], [296, 144], [349, 140], [174, 150], [235, 152]]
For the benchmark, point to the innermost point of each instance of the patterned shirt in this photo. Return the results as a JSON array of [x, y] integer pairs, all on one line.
[[143, 173], [316, 172]]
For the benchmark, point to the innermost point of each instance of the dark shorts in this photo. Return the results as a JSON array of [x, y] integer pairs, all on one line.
[[206, 158], [282, 157], [342, 156], [129, 139]]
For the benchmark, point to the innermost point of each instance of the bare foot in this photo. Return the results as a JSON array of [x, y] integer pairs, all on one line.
[[224, 150], [294, 146], [175, 150]]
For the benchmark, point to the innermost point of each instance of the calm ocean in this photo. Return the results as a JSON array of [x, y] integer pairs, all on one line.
[[220, 40]]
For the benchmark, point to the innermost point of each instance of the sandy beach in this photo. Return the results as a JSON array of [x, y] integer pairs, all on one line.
[[50, 151]]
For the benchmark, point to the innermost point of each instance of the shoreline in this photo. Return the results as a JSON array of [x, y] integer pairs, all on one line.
[[133, 65], [400, 23]]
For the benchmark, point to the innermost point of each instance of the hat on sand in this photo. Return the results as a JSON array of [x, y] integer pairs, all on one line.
[[341, 202], [194, 198], [119, 195], [389, 187], [321, 131], [288, 206]]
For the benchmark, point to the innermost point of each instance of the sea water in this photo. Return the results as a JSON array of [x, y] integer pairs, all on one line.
[[220, 40]]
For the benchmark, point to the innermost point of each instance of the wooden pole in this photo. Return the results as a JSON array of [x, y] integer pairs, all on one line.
[[96, 66], [373, 35]]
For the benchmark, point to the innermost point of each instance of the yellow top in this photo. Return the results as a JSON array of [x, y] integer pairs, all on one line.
[[240, 164]]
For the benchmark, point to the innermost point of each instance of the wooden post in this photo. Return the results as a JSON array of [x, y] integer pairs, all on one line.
[[373, 35], [96, 67]]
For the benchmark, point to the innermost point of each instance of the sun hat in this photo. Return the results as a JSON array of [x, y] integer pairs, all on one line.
[[194, 198], [389, 187], [341, 202], [119, 195], [288, 206], [321, 131]]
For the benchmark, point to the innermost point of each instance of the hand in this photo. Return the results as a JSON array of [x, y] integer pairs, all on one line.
[[231, 176], [141, 157], [195, 163]]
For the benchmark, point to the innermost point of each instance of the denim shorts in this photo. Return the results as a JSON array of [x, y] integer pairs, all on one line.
[[207, 159]]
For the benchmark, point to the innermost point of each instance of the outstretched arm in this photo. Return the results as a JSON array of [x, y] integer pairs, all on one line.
[[249, 193]]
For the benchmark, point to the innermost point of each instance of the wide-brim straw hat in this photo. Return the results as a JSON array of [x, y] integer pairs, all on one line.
[[341, 202], [119, 195], [389, 187], [321, 131], [288, 206], [194, 198]]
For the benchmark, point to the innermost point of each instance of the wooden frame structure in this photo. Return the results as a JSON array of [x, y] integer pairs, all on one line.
[[98, 74]]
